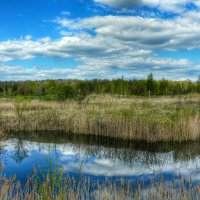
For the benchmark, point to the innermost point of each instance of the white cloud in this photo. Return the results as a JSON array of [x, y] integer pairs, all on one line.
[[121, 3], [175, 6], [66, 13], [144, 33], [109, 47], [8, 72]]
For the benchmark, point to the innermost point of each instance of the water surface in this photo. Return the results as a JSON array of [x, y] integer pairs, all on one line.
[[99, 158]]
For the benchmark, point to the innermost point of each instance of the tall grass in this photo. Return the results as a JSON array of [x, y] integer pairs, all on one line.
[[57, 186], [149, 119], [20, 106]]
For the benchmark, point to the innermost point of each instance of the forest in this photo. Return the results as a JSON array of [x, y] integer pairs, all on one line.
[[66, 89]]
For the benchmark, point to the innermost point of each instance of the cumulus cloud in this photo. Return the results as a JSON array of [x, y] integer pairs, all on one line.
[[175, 6], [144, 33], [121, 3], [109, 47], [8, 72]]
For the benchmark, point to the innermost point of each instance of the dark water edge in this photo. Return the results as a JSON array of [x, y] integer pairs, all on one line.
[[60, 137], [102, 158]]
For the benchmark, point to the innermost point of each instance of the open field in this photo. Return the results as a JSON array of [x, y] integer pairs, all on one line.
[[174, 119]]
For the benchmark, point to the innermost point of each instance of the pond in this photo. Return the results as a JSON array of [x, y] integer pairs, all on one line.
[[99, 158]]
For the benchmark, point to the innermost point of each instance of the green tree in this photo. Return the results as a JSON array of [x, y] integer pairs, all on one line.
[[65, 92], [150, 84], [198, 85], [163, 86]]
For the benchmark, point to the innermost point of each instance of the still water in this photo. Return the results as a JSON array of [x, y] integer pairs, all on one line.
[[98, 158]]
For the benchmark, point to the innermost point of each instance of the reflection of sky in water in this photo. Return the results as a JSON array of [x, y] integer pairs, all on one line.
[[21, 156]]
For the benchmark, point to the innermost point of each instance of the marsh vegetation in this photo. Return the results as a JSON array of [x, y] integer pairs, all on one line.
[[129, 118], [66, 188]]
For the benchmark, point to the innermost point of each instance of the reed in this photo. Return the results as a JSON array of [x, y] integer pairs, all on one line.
[[151, 119], [57, 186]]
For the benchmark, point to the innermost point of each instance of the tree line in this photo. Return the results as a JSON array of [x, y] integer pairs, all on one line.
[[65, 89]]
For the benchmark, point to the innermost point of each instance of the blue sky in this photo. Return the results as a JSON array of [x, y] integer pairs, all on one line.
[[86, 39]]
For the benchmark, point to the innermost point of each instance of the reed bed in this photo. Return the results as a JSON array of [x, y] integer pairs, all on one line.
[[57, 186], [170, 119]]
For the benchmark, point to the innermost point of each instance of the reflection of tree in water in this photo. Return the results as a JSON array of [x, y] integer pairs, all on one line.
[[3, 137], [189, 151], [126, 156], [2, 153], [125, 151], [141, 154], [20, 152]]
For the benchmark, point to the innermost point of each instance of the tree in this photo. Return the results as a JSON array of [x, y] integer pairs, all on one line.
[[163, 87], [150, 84], [198, 84], [65, 92]]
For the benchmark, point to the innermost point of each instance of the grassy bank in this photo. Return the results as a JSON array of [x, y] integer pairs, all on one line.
[[134, 118]]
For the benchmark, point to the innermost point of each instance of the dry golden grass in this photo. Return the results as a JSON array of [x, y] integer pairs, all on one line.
[[132, 118], [57, 186]]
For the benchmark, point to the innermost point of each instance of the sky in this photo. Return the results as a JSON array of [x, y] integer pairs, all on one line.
[[99, 39]]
